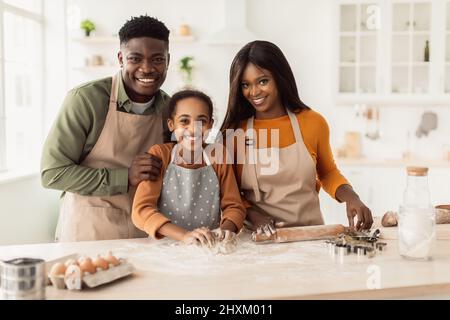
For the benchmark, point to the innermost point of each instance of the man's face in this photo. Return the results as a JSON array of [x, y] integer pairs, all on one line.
[[144, 64]]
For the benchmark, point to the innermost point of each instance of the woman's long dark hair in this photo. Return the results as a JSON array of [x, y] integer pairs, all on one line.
[[265, 55]]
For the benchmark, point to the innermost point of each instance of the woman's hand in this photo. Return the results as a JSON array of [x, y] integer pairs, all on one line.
[[263, 223], [223, 235], [201, 236], [355, 208]]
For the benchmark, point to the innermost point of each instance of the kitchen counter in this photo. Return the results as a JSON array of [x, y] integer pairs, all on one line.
[[298, 270], [373, 162]]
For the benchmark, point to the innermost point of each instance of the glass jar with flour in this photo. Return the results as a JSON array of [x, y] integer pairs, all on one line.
[[417, 218]]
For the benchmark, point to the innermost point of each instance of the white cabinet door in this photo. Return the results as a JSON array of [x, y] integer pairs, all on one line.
[[439, 184], [387, 188], [410, 47], [381, 190], [359, 35], [360, 179], [393, 51]]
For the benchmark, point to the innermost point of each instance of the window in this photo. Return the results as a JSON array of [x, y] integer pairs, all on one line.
[[21, 79]]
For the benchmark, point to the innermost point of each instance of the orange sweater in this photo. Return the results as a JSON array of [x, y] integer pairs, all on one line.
[[147, 217], [316, 136]]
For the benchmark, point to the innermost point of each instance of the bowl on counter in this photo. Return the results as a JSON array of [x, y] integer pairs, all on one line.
[[442, 213]]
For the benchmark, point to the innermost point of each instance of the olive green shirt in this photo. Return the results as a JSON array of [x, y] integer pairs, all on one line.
[[75, 132]]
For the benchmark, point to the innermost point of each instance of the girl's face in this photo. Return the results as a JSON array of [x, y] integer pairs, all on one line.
[[260, 89], [191, 121]]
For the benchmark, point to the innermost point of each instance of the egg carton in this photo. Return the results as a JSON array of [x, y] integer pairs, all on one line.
[[74, 279]]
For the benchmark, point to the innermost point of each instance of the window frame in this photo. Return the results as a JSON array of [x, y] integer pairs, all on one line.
[[38, 18]]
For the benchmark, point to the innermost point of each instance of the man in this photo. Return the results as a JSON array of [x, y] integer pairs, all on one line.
[[95, 151]]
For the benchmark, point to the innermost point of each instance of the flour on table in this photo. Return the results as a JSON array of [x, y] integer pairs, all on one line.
[[166, 256], [224, 247]]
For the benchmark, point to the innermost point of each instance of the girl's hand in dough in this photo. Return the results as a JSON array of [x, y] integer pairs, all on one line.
[[223, 235], [202, 236]]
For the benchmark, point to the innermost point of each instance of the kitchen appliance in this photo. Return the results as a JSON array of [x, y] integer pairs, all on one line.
[[22, 279]]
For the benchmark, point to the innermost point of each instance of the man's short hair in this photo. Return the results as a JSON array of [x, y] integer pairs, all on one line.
[[143, 26]]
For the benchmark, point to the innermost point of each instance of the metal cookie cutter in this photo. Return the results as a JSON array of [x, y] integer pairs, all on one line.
[[361, 243]]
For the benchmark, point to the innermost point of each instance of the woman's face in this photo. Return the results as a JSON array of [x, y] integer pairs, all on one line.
[[259, 88], [191, 122]]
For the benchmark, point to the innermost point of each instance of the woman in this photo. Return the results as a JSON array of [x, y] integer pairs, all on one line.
[[264, 97]]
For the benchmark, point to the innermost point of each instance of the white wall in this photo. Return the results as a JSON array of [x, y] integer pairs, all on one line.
[[28, 212], [304, 30]]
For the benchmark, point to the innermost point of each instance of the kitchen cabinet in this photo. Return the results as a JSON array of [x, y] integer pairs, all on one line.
[[393, 52], [410, 43], [359, 37], [446, 82], [439, 180], [381, 189]]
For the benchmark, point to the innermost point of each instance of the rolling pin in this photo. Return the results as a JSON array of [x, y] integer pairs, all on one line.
[[301, 233]]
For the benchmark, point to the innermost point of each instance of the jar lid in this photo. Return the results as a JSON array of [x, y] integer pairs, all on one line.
[[417, 171]]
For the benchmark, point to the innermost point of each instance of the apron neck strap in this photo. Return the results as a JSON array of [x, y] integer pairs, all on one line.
[[252, 157], [114, 91], [295, 126]]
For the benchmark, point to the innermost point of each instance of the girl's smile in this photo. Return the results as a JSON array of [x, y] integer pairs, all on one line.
[[190, 121]]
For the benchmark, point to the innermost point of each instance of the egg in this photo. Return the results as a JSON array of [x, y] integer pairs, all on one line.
[[101, 263], [58, 269], [111, 259], [86, 265], [71, 262]]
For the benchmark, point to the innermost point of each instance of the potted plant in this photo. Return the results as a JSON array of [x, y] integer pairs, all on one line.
[[186, 68], [88, 26]]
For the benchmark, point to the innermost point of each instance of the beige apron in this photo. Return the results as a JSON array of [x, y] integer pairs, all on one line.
[[124, 135], [290, 194]]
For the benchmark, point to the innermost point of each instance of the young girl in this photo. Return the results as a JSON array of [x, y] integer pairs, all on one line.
[[264, 97], [192, 195]]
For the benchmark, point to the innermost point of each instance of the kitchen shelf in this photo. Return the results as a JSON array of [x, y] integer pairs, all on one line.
[[393, 100], [414, 33], [97, 40], [181, 39], [341, 161], [96, 68], [356, 33], [413, 64], [115, 40]]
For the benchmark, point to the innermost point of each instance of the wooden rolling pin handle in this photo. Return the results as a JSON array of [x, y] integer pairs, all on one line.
[[302, 233]]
